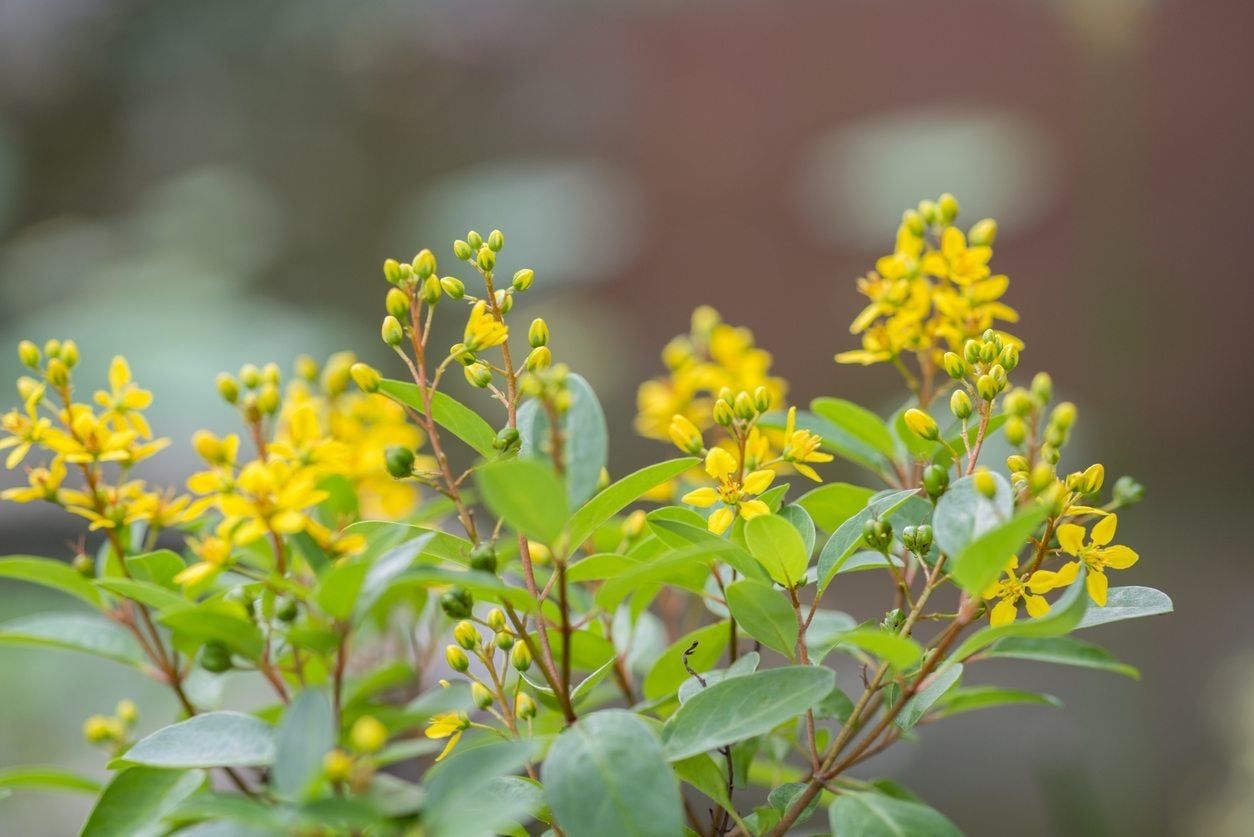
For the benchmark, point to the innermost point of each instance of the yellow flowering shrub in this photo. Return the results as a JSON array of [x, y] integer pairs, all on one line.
[[461, 590]]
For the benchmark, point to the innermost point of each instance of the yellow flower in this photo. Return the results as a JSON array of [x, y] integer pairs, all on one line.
[[955, 261], [110, 508], [91, 439], [1014, 589], [335, 544], [448, 725], [483, 329], [44, 484], [738, 495], [301, 441], [1096, 555], [270, 497], [802, 446], [25, 428], [214, 552], [124, 401]]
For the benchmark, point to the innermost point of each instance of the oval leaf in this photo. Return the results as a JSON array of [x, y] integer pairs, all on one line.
[[525, 494], [136, 800], [779, 547], [877, 815], [215, 739], [765, 614]]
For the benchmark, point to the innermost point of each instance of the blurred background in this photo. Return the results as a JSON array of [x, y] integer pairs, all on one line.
[[201, 184]]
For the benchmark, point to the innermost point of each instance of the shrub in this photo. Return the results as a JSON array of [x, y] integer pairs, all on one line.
[[632, 656]]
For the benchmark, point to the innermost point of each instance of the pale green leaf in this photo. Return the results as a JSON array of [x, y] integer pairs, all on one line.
[[49, 573], [135, 801], [899, 651], [963, 513], [1062, 650], [214, 739], [765, 614], [779, 548], [832, 504], [982, 560], [668, 671], [867, 814], [1127, 603], [621, 494], [525, 494], [74, 632], [305, 735], [848, 536], [448, 412]]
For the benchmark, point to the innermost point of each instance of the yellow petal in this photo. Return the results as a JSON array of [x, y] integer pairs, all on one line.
[[1118, 557], [1104, 531], [1003, 613], [806, 471], [754, 508], [1071, 538], [119, 373], [719, 463], [1037, 606], [758, 481], [701, 498], [1096, 584], [448, 748], [720, 520]]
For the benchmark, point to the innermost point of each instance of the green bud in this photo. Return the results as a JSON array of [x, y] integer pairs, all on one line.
[[761, 399], [397, 303], [424, 264], [483, 559], [268, 399], [1050, 453], [520, 657], [723, 414], [392, 271], [366, 377], [86, 567], [392, 332], [1043, 387], [913, 221], [1017, 402], [935, 480], [1016, 431], [539, 359], [523, 279], [1128, 491], [496, 618], [456, 658], [1094, 477], [474, 239], [496, 240], [504, 640], [983, 233], [227, 387], [307, 368], [971, 351], [921, 424], [1063, 415], [215, 657], [955, 366], [463, 250], [486, 259], [923, 539], [986, 386], [878, 534], [286, 609], [988, 351], [454, 287], [1041, 478], [462, 353], [1017, 463], [1009, 357], [524, 706], [947, 207], [927, 210], [538, 334], [478, 375], [893, 620], [466, 634], [744, 406], [456, 602], [431, 290], [480, 695], [985, 483], [250, 376], [506, 439], [399, 461], [28, 354], [960, 405]]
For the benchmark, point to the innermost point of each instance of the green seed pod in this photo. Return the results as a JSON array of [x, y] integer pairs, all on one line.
[[483, 559], [923, 538], [215, 657], [399, 461], [456, 602], [504, 640], [86, 567], [286, 610], [935, 480], [506, 439]]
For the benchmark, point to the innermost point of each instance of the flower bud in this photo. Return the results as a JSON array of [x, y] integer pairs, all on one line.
[[506, 439], [486, 259], [1128, 491], [399, 461], [1017, 463], [935, 480], [480, 695], [397, 303], [466, 634], [463, 250], [456, 658], [250, 376], [1041, 478], [366, 377], [1043, 387], [268, 399], [998, 373], [523, 279], [1050, 453], [988, 351], [478, 374], [496, 619], [1094, 476], [1016, 431], [921, 424], [947, 208], [456, 602], [744, 406], [960, 405], [496, 240], [98, 729], [462, 354], [337, 765], [28, 354], [927, 210], [762, 399], [431, 290], [955, 366], [686, 436], [307, 368], [454, 287], [971, 351], [524, 706], [986, 386], [474, 239], [983, 233], [913, 221], [271, 374], [392, 271], [58, 373], [424, 264], [723, 413], [483, 559], [878, 534], [538, 334], [985, 483], [1063, 415], [504, 640], [251, 410], [1009, 357], [227, 387], [539, 359], [392, 332], [69, 353], [922, 538], [84, 566], [215, 657], [368, 734], [1017, 402], [893, 620], [520, 657], [127, 712]]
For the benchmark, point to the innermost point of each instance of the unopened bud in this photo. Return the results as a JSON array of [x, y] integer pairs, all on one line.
[[538, 334], [478, 375], [935, 480], [504, 640], [520, 657], [337, 765], [466, 634], [28, 354], [456, 658], [392, 332], [480, 695], [250, 376], [399, 461], [392, 271], [985, 483], [986, 386], [431, 290], [486, 259], [496, 240], [1063, 415], [463, 250], [1094, 476], [227, 387], [921, 424], [127, 711], [1042, 387], [1017, 463], [723, 413], [454, 287], [913, 221], [397, 303], [971, 351], [1009, 357], [743, 406], [947, 207], [268, 399], [955, 366], [366, 377], [496, 619], [523, 279], [506, 439], [983, 233], [474, 239], [960, 405], [424, 264], [686, 436], [1042, 477], [456, 602], [524, 706], [1016, 431], [58, 373], [368, 734], [539, 359]]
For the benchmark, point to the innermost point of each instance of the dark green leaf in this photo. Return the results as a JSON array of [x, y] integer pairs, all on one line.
[[765, 614], [452, 415], [136, 800], [868, 814], [1062, 650]]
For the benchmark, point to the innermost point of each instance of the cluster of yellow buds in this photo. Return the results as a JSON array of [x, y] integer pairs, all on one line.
[[74, 436], [712, 357], [356, 767], [934, 292], [114, 730], [982, 368]]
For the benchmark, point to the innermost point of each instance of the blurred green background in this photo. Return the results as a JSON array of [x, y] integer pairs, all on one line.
[[199, 184]]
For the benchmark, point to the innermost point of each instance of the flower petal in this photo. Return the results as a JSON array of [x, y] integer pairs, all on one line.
[[1071, 538]]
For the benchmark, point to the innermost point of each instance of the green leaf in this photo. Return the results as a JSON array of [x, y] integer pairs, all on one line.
[[899, 651], [765, 614], [858, 422], [585, 438], [220, 621], [1062, 650], [482, 585], [144, 592], [848, 536], [136, 800], [836, 439], [339, 587], [1127, 603], [1062, 618], [982, 560], [702, 773], [963, 513], [779, 547], [668, 671], [744, 664], [783, 797], [606, 775], [46, 778], [449, 413], [801, 521], [868, 814], [457, 786], [214, 739], [159, 567], [49, 573], [826, 630], [525, 494], [832, 504], [74, 632], [621, 494], [742, 707], [868, 560], [986, 697], [686, 567], [925, 698], [599, 567], [679, 528], [306, 734]]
